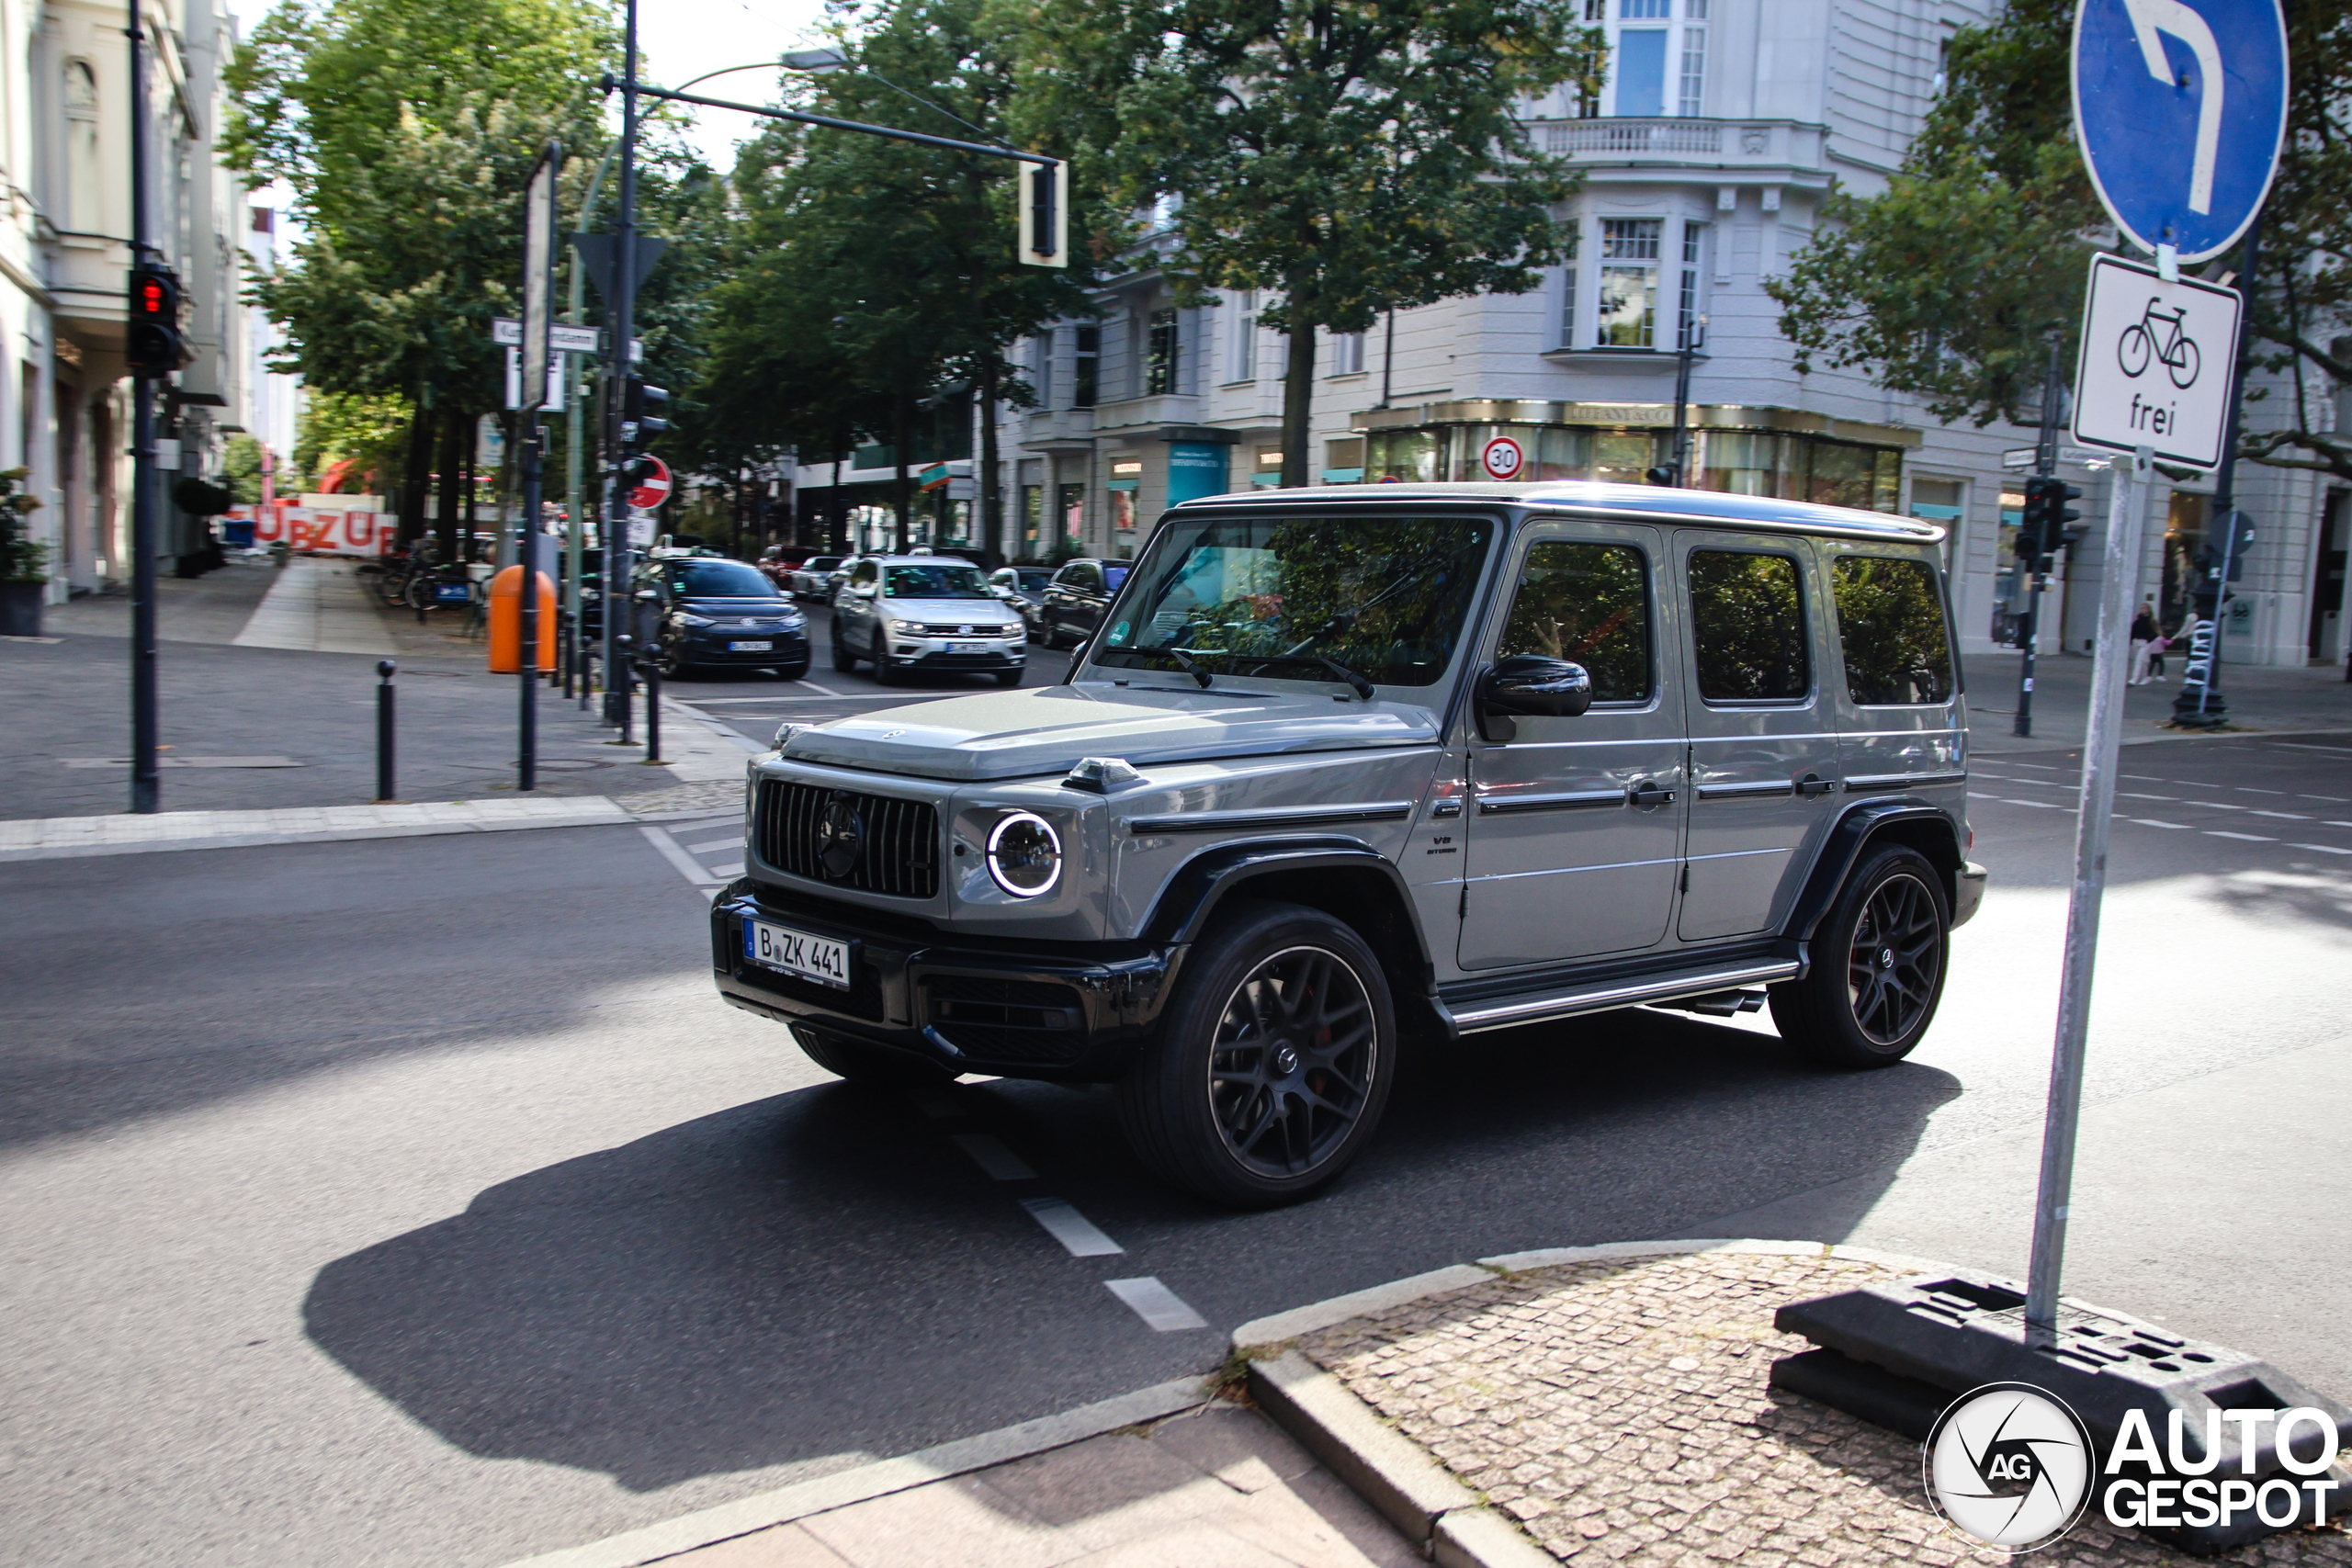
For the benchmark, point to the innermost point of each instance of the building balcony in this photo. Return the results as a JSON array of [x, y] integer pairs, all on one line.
[[1763, 145], [1156, 409]]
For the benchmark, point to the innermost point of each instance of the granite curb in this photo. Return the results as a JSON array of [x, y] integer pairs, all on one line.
[[804, 1499], [1388, 1470]]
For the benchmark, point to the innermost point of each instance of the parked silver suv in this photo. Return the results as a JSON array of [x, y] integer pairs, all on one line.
[[1345, 767]]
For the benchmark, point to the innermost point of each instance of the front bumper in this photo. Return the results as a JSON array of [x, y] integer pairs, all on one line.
[[1070, 1012], [930, 653], [708, 646]]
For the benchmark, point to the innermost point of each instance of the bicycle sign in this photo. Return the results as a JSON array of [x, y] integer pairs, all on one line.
[[2154, 369]]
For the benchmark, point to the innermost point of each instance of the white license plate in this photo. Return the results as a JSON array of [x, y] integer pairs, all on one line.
[[817, 958], [970, 647], [761, 646]]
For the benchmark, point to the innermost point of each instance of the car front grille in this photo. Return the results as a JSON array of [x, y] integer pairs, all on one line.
[[995, 1019], [897, 840], [957, 628]]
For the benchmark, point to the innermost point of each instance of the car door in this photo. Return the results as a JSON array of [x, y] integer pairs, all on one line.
[[1764, 762], [1574, 830], [854, 613], [1899, 719], [1067, 599]]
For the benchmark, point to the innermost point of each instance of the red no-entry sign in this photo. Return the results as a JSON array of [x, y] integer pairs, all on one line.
[[654, 488]]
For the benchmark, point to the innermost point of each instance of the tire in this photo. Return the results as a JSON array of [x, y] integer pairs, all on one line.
[[870, 1067], [672, 664], [2133, 348], [1879, 964], [884, 674], [792, 671], [1248, 1125], [843, 660], [2184, 373], [1008, 677]]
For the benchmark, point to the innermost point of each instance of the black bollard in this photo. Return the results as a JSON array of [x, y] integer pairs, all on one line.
[[653, 668], [620, 678], [384, 759]]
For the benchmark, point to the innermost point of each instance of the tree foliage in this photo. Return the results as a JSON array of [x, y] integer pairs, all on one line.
[[1348, 159]]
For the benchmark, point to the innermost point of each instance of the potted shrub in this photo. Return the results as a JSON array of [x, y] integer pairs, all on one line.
[[24, 579]]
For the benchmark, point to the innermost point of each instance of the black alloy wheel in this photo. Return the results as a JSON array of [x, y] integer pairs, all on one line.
[[1878, 966], [1273, 1064]]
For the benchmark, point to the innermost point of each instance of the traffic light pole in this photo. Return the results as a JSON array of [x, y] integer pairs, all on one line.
[[2045, 466], [2200, 705], [146, 783], [620, 443]]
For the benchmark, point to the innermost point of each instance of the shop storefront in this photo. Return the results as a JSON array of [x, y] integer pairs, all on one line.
[[1743, 451]]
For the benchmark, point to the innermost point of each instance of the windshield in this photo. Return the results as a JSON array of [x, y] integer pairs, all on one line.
[[719, 580], [941, 582], [1386, 597], [1034, 579], [824, 563]]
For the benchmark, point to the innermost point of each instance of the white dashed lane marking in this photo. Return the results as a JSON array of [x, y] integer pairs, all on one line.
[[1157, 1304], [2323, 849], [2249, 838], [1072, 1229], [2152, 822], [990, 1154]]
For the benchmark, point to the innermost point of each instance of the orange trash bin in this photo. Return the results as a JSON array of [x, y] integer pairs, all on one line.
[[506, 621]]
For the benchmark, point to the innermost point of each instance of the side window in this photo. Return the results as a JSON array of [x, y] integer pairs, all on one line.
[[865, 575], [1589, 604], [1891, 630], [1085, 579], [1748, 621]]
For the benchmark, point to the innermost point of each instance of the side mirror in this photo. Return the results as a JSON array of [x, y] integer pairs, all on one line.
[[1532, 686]]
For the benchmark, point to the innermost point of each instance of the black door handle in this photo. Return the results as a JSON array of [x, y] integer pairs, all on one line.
[[1813, 784], [1651, 794]]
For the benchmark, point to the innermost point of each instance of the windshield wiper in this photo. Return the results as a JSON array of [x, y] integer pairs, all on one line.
[[1364, 688], [1194, 671]]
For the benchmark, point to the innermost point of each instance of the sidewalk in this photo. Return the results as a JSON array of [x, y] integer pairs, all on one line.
[[267, 681], [2272, 700], [1612, 1402]]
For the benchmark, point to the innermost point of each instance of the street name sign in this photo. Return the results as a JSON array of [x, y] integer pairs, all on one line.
[[2181, 108], [507, 331], [2079, 456], [2157, 363]]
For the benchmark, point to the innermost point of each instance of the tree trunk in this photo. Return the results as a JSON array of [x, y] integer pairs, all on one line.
[[902, 486], [837, 515], [1298, 402], [470, 445], [416, 477], [991, 469], [453, 421]]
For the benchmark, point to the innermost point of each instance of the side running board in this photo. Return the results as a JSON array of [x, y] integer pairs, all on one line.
[[1603, 995]]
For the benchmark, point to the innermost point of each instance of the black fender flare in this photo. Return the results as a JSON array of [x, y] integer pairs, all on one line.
[[1862, 825], [1193, 894]]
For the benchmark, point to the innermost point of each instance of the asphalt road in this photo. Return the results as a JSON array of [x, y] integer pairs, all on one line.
[[416, 1201]]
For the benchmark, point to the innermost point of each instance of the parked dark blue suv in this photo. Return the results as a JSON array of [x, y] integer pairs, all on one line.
[[709, 612]]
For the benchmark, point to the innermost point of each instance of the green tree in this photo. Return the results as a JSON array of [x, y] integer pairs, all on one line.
[[1350, 159], [1945, 285], [369, 433], [407, 130]]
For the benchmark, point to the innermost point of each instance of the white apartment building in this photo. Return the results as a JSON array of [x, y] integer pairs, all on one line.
[[1725, 125], [65, 255]]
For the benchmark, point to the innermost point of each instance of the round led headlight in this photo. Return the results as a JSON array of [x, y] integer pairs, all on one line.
[[1025, 854]]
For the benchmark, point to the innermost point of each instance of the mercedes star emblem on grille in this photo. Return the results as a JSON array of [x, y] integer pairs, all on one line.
[[841, 837]]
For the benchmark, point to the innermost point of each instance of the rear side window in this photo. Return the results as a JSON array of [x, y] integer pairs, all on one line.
[[1590, 604], [1748, 621], [1891, 629]]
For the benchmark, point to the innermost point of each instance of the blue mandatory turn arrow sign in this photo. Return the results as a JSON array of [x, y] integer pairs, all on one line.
[[2181, 108]]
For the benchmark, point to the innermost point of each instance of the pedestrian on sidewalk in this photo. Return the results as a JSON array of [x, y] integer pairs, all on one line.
[[2143, 641]]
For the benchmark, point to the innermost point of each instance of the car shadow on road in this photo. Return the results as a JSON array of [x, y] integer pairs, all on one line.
[[824, 1273]]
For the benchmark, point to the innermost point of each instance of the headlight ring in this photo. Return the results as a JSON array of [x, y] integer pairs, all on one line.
[[1025, 854]]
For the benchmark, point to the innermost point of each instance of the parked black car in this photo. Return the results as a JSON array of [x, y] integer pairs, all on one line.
[[1076, 598], [708, 611]]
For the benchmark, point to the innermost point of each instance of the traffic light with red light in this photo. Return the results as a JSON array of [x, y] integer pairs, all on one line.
[[154, 344]]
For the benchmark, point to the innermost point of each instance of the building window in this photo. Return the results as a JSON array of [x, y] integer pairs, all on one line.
[[1687, 332], [1245, 337], [1572, 248], [1636, 10], [1641, 71], [1692, 100], [1628, 303], [1072, 507], [1041, 373], [1160, 355], [1089, 355], [1347, 353]]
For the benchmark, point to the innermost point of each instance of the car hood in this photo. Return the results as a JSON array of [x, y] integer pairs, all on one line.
[[764, 608], [962, 612], [1048, 729]]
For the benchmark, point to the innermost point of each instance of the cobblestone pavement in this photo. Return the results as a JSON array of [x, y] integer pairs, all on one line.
[[1619, 1410]]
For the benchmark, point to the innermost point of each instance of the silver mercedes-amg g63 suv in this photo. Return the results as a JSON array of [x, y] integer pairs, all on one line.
[[1348, 767]]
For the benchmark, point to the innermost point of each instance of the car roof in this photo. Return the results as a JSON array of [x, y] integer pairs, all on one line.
[[1658, 502], [919, 560]]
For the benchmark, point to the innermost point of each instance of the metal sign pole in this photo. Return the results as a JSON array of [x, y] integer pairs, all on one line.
[[2126, 521], [146, 780]]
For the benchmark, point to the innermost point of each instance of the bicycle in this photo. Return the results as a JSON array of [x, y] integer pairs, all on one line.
[[2175, 350]]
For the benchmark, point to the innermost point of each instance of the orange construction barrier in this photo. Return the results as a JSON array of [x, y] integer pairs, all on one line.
[[506, 621]]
